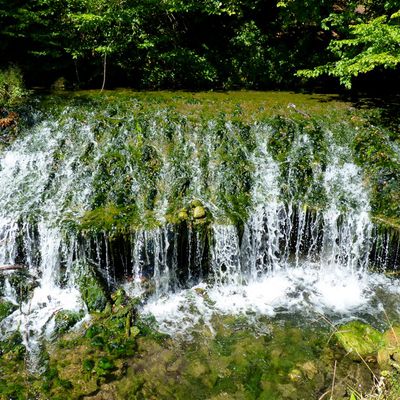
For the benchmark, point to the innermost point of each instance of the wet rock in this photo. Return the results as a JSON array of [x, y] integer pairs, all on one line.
[[359, 340], [2, 284]]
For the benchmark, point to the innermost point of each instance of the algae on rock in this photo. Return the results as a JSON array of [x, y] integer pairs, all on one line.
[[359, 340], [91, 287]]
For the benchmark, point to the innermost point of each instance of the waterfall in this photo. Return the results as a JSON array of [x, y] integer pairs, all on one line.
[[273, 231]]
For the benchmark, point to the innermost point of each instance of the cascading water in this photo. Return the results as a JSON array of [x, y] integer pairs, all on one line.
[[36, 195], [105, 189], [290, 258]]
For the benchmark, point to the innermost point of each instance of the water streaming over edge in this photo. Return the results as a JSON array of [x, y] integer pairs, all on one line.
[[286, 258]]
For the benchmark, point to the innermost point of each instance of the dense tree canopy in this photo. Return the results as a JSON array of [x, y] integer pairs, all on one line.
[[368, 41], [197, 44]]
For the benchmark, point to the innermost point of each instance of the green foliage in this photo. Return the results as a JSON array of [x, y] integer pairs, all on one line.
[[173, 43], [12, 90], [371, 45], [65, 320], [6, 308]]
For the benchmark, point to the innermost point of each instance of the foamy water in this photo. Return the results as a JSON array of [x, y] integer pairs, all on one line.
[[309, 291]]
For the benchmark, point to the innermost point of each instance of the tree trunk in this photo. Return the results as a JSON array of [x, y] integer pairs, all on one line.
[[104, 71]]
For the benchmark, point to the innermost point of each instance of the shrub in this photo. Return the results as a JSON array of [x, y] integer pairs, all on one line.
[[12, 89]]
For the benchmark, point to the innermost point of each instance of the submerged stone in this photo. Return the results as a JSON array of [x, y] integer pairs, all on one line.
[[359, 340], [309, 369]]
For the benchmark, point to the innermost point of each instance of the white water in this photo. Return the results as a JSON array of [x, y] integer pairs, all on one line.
[[308, 291], [326, 276], [35, 196]]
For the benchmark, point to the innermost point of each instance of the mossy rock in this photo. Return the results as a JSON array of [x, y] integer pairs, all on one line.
[[199, 212], [6, 308], [389, 354], [91, 287], [183, 215], [66, 319], [13, 346], [359, 340], [196, 203], [23, 284], [119, 297]]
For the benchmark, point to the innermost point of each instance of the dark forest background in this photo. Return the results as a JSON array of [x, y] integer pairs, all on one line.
[[203, 44]]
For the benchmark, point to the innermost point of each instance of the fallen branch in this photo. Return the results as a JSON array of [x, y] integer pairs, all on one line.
[[11, 267]]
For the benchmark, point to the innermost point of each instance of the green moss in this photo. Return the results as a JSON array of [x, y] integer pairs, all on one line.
[[376, 153], [65, 320], [146, 144], [12, 346], [389, 353], [359, 340], [111, 218], [91, 287]]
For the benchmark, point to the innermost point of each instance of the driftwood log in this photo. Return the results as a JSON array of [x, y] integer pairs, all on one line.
[[11, 267]]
